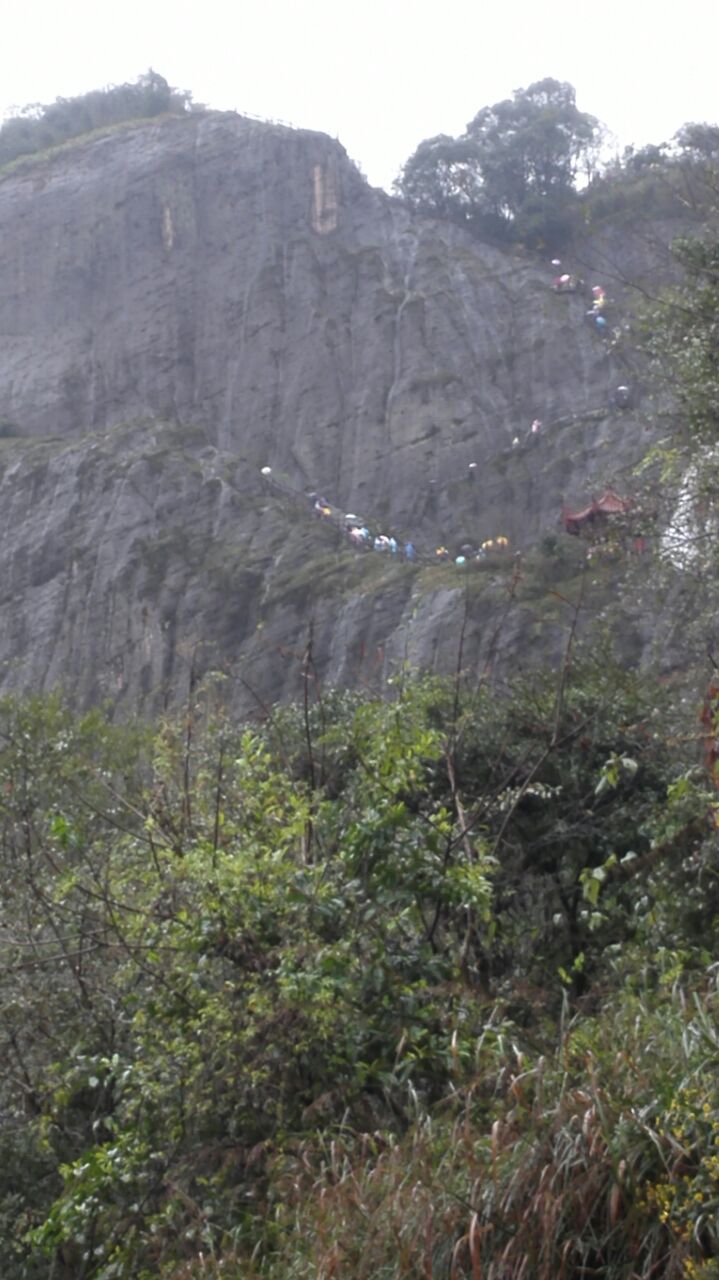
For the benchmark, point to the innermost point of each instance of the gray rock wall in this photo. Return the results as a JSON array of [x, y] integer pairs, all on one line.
[[183, 302]]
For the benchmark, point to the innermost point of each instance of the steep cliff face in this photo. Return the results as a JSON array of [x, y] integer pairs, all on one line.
[[186, 301]]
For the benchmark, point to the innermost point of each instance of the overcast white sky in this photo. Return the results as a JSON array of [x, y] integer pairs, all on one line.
[[380, 74]]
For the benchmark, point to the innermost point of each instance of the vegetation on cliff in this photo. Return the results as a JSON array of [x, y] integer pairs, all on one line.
[[512, 173], [37, 127], [530, 169]]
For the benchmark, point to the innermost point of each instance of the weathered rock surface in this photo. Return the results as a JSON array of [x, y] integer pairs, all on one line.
[[186, 301]]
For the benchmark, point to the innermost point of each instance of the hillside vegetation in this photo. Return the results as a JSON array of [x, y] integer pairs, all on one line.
[[37, 128], [422, 985]]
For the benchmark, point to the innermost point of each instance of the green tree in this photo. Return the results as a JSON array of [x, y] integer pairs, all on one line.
[[533, 144], [443, 178], [699, 141], [514, 169]]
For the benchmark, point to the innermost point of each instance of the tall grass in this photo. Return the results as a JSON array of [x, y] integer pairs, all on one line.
[[599, 1158]]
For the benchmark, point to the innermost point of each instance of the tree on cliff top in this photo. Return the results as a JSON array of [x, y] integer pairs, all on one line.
[[38, 127], [534, 143], [514, 168]]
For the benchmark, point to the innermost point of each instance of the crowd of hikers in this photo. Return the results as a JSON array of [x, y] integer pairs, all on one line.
[[364, 538]]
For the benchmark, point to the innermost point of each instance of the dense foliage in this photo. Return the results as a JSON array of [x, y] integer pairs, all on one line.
[[684, 337], [406, 987], [38, 127], [512, 172], [681, 341], [535, 169]]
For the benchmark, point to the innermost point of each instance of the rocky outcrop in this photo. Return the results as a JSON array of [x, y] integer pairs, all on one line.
[[183, 302]]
